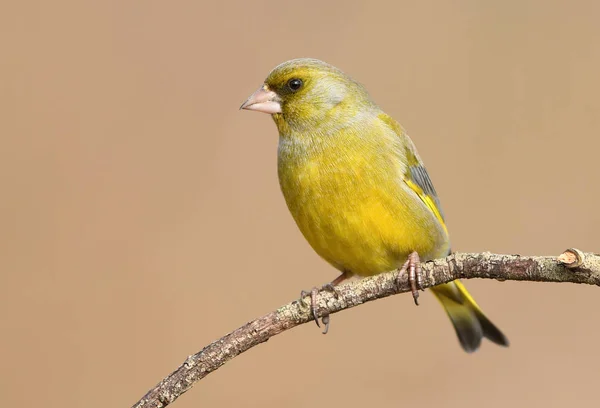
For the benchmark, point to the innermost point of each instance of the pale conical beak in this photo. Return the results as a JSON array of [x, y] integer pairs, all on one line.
[[263, 100]]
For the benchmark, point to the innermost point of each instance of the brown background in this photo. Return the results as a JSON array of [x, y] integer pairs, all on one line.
[[141, 217]]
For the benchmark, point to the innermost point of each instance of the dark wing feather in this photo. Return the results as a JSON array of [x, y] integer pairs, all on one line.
[[420, 177]]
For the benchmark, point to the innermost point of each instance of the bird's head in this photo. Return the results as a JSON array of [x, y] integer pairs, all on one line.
[[309, 95]]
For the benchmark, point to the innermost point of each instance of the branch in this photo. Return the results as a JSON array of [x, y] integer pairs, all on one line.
[[572, 266]]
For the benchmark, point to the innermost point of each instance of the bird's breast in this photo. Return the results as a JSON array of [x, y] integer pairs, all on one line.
[[349, 204]]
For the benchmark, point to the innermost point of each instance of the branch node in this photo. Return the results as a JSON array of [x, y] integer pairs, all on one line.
[[572, 258]]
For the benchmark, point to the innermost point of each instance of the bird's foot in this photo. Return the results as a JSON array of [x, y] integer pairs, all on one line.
[[412, 266], [313, 303], [329, 287]]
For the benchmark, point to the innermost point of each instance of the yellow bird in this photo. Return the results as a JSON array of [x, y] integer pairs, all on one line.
[[356, 186]]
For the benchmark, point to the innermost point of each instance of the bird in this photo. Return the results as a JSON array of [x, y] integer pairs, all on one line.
[[357, 188]]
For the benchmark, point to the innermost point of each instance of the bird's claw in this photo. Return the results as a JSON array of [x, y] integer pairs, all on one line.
[[303, 294], [325, 320], [313, 304], [330, 287], [412, 266]]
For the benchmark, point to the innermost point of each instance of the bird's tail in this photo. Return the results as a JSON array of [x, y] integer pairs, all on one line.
[[470, 323]]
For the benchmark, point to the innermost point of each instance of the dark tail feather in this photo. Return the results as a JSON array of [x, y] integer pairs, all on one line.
[[490, 331], [469, 322]]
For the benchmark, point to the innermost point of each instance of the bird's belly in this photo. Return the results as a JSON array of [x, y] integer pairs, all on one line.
[[363, 228], [351, 238]]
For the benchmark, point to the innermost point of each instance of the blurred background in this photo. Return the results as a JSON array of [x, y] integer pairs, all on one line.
[[141, 216]]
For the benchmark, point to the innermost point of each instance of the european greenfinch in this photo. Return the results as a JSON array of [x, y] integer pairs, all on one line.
[[357, 188]]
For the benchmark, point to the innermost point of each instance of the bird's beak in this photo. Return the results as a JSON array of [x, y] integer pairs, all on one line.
[[263, 100]]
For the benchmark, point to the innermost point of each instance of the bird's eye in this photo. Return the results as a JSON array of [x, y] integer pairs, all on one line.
[[294, 84]]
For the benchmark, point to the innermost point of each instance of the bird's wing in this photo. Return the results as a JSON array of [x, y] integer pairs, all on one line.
[[415, 174]]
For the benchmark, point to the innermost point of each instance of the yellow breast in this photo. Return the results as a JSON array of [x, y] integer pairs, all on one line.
[[352, 206]]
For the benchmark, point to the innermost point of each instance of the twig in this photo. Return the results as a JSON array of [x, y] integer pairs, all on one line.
[[571, 266]]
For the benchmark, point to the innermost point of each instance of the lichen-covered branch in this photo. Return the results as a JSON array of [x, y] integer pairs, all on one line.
[[572, 266]]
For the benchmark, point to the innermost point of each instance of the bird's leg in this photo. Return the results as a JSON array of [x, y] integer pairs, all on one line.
[[412, 266], [330, 287]]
